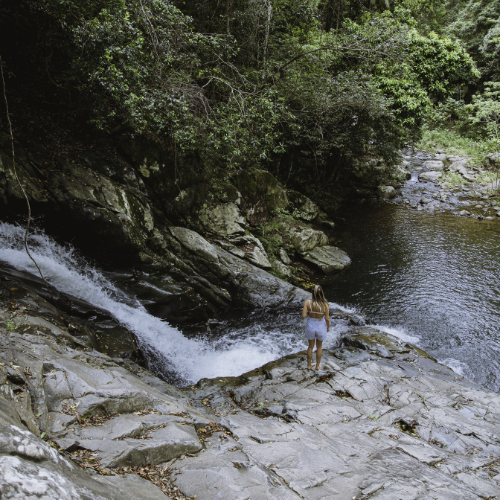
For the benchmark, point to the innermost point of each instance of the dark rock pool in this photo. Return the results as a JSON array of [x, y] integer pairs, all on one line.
[[433, 277]]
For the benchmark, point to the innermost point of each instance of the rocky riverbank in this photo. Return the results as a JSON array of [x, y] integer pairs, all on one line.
[[121, 204], [381, 419], [443, 182]]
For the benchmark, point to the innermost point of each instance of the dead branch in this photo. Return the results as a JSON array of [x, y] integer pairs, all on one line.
[[19, 182]]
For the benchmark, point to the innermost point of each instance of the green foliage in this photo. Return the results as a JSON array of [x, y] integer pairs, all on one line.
[[440, 64], [448, 139], [304, 88], [477, 26], [486, 111], [11, 326], [451, 179]]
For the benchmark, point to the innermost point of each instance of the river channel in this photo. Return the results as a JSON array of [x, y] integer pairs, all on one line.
[[428, 276]]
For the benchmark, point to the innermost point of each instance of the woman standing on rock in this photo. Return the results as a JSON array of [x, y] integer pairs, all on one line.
[[316, 311]]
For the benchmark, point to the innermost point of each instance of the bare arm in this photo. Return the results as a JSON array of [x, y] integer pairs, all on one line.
[[327, 318], [305, 311]]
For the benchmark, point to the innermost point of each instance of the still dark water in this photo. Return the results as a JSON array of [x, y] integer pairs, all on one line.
[[433, 277]]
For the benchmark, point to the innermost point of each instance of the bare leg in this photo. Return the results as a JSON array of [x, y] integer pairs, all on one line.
[[319, 352], [310, 354]]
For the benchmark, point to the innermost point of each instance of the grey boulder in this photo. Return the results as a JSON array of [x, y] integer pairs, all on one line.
[[281, 268], [328, 258], [305, 239], [285, 258], [304, 208], [386, 192], [195, 243], [223, 220], [456, 165], [430, 176]]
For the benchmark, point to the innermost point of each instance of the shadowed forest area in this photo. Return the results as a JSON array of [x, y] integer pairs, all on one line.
[[309, 90]]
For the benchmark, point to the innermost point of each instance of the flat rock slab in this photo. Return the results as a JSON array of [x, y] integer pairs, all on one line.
[[126, 426], [161, 445], [469, 178], [430, 176], [328, 258], [224, 472], [135, 485], [380, 419], [195, 243], [30, 468]]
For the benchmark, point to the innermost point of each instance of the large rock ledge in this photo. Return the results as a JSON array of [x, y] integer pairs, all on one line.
[[380, 420]]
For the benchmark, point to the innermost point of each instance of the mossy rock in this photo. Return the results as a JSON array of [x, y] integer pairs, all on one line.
[[262, 194], [302, 206]]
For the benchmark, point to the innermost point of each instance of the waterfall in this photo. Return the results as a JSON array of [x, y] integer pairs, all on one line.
[[243, 349]]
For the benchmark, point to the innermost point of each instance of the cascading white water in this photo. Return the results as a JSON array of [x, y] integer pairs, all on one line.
[[240, 351]]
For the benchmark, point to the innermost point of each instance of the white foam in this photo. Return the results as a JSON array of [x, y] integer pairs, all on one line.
[[399, 332], [246, 349], [346, 308], [459, 367]]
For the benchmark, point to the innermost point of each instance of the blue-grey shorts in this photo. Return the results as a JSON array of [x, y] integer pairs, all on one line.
[[316, 329]]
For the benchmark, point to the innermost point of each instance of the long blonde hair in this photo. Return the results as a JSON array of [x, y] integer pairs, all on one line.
[[318, 299]]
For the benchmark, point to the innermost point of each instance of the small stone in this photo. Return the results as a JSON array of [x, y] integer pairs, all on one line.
[[285, 258], [464, 213]]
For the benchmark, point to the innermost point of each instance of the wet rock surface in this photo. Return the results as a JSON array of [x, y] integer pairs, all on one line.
[[248, 285], [380, 419]]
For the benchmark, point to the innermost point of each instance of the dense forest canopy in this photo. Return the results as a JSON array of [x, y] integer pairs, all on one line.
[[308, 89]]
